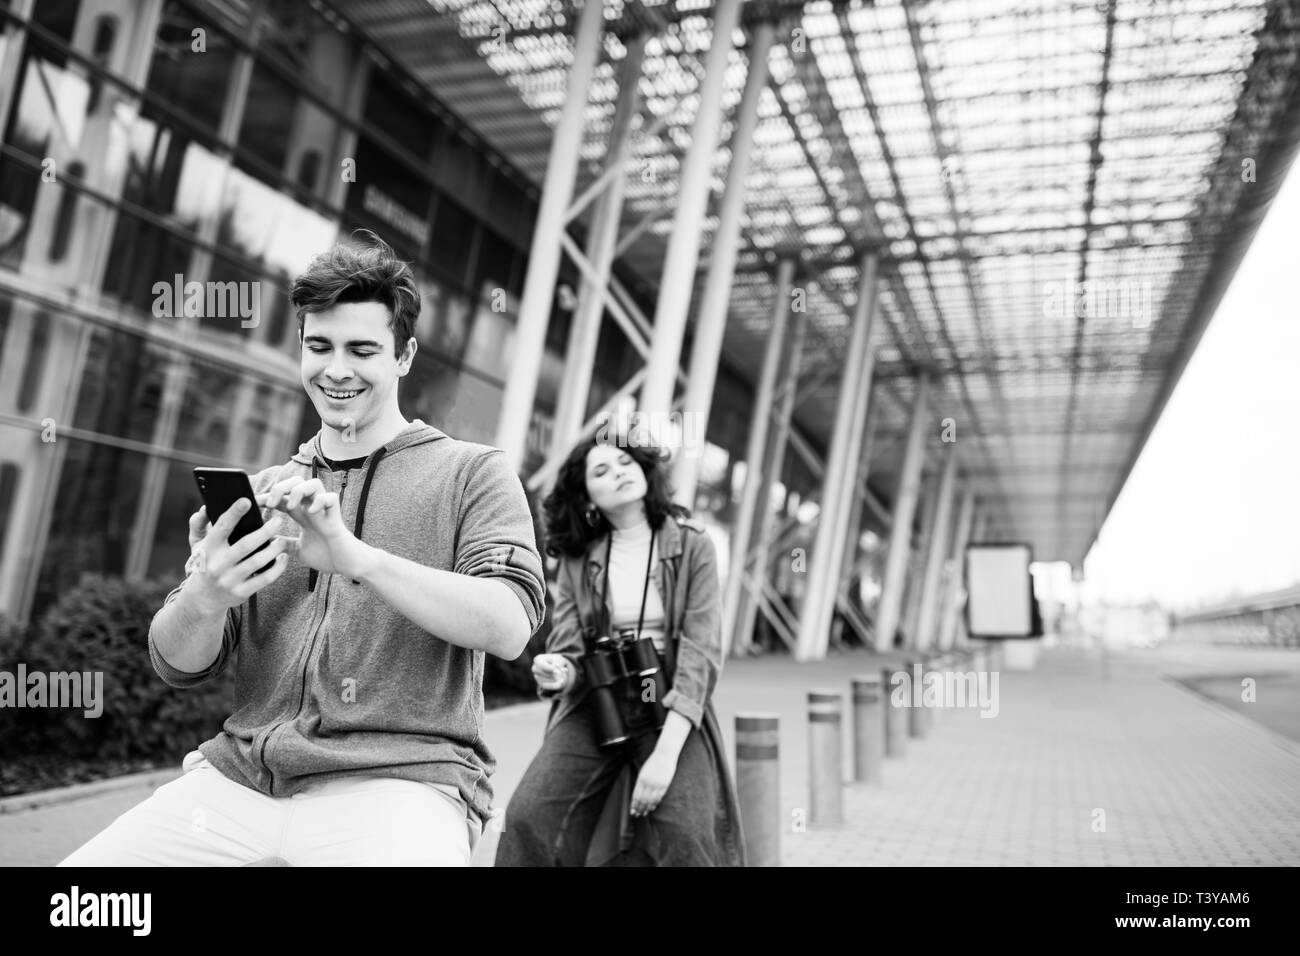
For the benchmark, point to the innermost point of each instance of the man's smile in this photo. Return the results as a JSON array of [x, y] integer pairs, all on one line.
[[341, 394]]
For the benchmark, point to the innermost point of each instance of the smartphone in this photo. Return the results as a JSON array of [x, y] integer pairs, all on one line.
[[222, 487]]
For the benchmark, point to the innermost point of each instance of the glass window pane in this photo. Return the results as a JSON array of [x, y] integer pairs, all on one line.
[[461, 170], [18, 186], [389, 108], [451, 240], [268, 227], [8, 485], [57, 16], [390, 199], [142, 255], [492, 265], [92, 518], [457, 400], [268, 112], [121, 386], [190, 79], [50, 109], [322, 59]]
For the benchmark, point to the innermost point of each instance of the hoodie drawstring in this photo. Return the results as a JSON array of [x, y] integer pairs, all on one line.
[[360, 520]]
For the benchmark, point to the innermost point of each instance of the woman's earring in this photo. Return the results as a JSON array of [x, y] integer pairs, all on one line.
[[592, 514]]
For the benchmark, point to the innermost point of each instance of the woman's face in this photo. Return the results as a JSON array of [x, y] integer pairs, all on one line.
[[614, 479]]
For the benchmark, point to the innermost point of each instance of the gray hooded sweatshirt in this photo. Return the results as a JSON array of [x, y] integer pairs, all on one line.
[[330, 681]]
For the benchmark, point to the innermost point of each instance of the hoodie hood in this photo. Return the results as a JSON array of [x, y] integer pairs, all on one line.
[[310, 453], [415, 433]]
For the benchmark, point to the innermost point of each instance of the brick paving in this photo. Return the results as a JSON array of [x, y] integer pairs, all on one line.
[[1182, 781]]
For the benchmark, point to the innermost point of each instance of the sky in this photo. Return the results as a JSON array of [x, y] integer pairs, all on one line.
[[1212, 508]]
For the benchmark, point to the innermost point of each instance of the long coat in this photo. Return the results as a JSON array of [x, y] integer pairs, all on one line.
[[686, 577]]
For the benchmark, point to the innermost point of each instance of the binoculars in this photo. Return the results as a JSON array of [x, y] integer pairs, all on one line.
[[621, 670]]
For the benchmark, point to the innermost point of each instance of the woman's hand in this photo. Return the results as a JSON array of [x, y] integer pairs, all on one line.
[[553, 672], [653, 780], [657, 772]]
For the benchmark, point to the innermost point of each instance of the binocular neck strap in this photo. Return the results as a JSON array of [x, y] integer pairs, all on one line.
[[645, 587]]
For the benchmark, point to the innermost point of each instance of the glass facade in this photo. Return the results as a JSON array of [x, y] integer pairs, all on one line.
[[147, 146]]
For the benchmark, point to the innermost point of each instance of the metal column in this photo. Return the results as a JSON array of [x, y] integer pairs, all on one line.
[[929, 502], [957, 569], [773, 462], [841, 470], [937, 554], [544, 253], [754, 453], [711, 320], [853, 525], [900, 535], [584, 333], [682, 255]]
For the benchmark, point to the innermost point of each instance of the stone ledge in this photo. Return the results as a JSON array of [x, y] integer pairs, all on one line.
[[81, 791]]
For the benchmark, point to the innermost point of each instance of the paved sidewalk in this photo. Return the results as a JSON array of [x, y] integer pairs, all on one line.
[[1182, 780]]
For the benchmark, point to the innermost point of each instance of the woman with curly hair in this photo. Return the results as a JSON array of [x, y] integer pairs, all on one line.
[[632, 564]]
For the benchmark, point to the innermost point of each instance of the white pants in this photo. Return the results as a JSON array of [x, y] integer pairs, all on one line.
[[206, 819]]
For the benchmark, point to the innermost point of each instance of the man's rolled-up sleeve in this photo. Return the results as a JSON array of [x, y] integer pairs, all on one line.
[[173, 677], [496, 537]]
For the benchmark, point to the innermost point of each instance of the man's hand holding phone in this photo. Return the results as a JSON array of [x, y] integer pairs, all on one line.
[[226, 575]]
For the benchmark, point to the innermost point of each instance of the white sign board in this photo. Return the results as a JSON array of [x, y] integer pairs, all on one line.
[[999, 591]]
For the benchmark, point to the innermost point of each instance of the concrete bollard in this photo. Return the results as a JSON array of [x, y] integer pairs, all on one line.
[[937, 664], [929, 664], [868, 729], [758, 786], [916, 714], [895, 718], [825, 757]]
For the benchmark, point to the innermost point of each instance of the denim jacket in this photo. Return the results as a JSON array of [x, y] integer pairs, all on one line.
[[691, 609], [686, 577]]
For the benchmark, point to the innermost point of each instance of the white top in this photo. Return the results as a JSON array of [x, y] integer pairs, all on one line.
[[627, 570]]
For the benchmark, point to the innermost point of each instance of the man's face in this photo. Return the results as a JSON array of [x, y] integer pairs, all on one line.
[[349, 368]]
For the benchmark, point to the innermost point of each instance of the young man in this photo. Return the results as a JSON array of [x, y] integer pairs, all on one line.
[[401, 557]]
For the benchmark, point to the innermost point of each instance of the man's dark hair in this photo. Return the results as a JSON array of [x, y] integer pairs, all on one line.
[[360, 272], [567, 530]]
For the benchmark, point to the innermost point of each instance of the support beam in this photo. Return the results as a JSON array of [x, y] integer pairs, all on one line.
[[956, 569], [928, 614], [743, 530], [584, 333], [678, 278], [853, 526], [773, 465], [900, 536], [711, 320], [929, 502], [544, 254], [841, 470]]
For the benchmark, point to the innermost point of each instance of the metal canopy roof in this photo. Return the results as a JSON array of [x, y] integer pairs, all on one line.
[[1060, 192]]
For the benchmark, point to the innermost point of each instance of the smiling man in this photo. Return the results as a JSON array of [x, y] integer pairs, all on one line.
[[402, 556]]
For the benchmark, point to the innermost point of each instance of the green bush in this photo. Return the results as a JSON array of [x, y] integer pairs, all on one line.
[[102, 625]]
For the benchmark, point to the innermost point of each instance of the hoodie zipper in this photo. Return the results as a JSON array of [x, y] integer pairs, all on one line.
[[306, 665]]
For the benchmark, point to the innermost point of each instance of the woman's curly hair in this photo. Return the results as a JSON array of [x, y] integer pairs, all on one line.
[[567, 530]]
